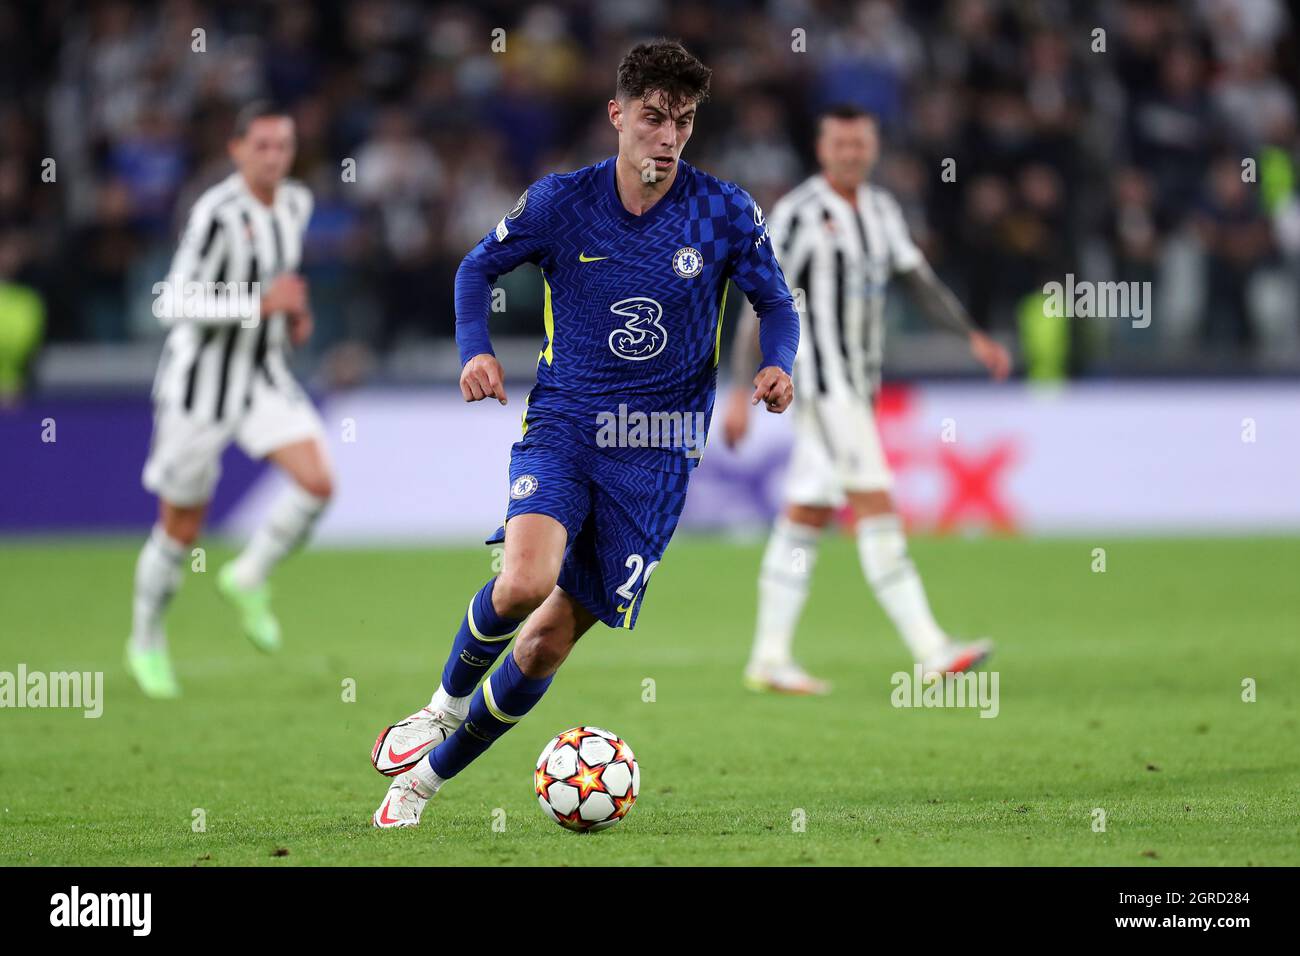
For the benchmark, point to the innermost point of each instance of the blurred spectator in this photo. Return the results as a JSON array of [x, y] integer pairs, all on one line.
[[1133, 228], [1171, 129], [399, 180], [1237, 241]]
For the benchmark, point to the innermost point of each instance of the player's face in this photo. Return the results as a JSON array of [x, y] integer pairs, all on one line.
[[265, 153], [847, 150], [651, 136]]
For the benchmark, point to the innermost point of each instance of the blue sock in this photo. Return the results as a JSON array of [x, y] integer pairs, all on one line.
[[497, 706], [483, 635]]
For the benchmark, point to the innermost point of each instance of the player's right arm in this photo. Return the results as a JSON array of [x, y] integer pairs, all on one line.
[[522, 235]]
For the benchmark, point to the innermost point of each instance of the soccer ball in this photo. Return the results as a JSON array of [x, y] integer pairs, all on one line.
[[587, 779]]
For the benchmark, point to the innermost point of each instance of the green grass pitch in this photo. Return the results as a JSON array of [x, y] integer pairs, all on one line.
[[1119, 690]]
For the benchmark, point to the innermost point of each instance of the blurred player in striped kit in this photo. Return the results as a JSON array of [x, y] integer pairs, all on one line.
[[223, 377], [839, 240]]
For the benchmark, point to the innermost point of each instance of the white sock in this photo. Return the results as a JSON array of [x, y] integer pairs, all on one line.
[[291, 520], [783, 584], [891, 574], [157, 577], [441, 700], [429, 780]]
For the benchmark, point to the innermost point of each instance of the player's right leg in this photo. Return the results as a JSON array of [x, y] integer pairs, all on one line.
[[534, 548], [785, 576], [182, 470], [504, 699], [784, 579], [549, 501], [159, 571]]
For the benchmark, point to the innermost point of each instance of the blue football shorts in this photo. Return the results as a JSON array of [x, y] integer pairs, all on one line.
[[619, 514]]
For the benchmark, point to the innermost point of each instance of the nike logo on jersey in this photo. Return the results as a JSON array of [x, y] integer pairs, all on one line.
[[583, 257]]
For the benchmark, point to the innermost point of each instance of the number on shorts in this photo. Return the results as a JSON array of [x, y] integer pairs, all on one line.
[[637, 563]]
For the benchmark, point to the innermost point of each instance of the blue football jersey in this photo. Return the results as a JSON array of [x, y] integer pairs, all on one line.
[[633, 304]]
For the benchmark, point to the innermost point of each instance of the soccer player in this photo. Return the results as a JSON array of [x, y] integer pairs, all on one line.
[[222, 378], [840, 240], [636, 253]]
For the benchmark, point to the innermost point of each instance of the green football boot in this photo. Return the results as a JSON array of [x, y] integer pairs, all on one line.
[[152, 670], [254, 606]]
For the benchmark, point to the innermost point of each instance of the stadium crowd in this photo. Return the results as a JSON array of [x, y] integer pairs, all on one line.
[[1136, 140]]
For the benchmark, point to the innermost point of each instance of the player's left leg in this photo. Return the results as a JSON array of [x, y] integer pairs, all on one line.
[[893, 577], [518, 683], [284, 429], [512, 690]]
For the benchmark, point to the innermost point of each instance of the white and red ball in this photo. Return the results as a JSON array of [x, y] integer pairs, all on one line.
[[587, 779]]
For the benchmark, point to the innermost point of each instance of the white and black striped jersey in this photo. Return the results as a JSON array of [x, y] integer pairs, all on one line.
[[211, 360], [837, 261]]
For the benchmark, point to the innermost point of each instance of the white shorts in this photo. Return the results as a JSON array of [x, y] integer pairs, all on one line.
[[185, 455], [836, 449]]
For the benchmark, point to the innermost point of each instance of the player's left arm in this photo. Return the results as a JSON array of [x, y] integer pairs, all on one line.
[[301, 322], [746, 355], [933, 297], [754, 268]]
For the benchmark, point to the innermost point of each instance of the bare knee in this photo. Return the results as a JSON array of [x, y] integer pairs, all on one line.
[[870, 504], [520, 591], [811, 516], [182, 525], [307, 464], [319, 484]]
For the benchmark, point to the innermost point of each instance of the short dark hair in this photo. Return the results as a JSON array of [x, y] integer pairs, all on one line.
[[663, 66], [251, 113], [846, 111]]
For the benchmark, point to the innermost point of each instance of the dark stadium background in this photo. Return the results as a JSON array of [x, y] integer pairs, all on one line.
[[1118, 164]]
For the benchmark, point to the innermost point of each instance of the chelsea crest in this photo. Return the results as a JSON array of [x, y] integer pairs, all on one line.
[[687, 262]]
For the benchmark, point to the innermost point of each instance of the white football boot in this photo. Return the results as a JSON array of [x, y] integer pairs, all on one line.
[[957, 658], [403, 803], [404, 744], [788, 678]]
